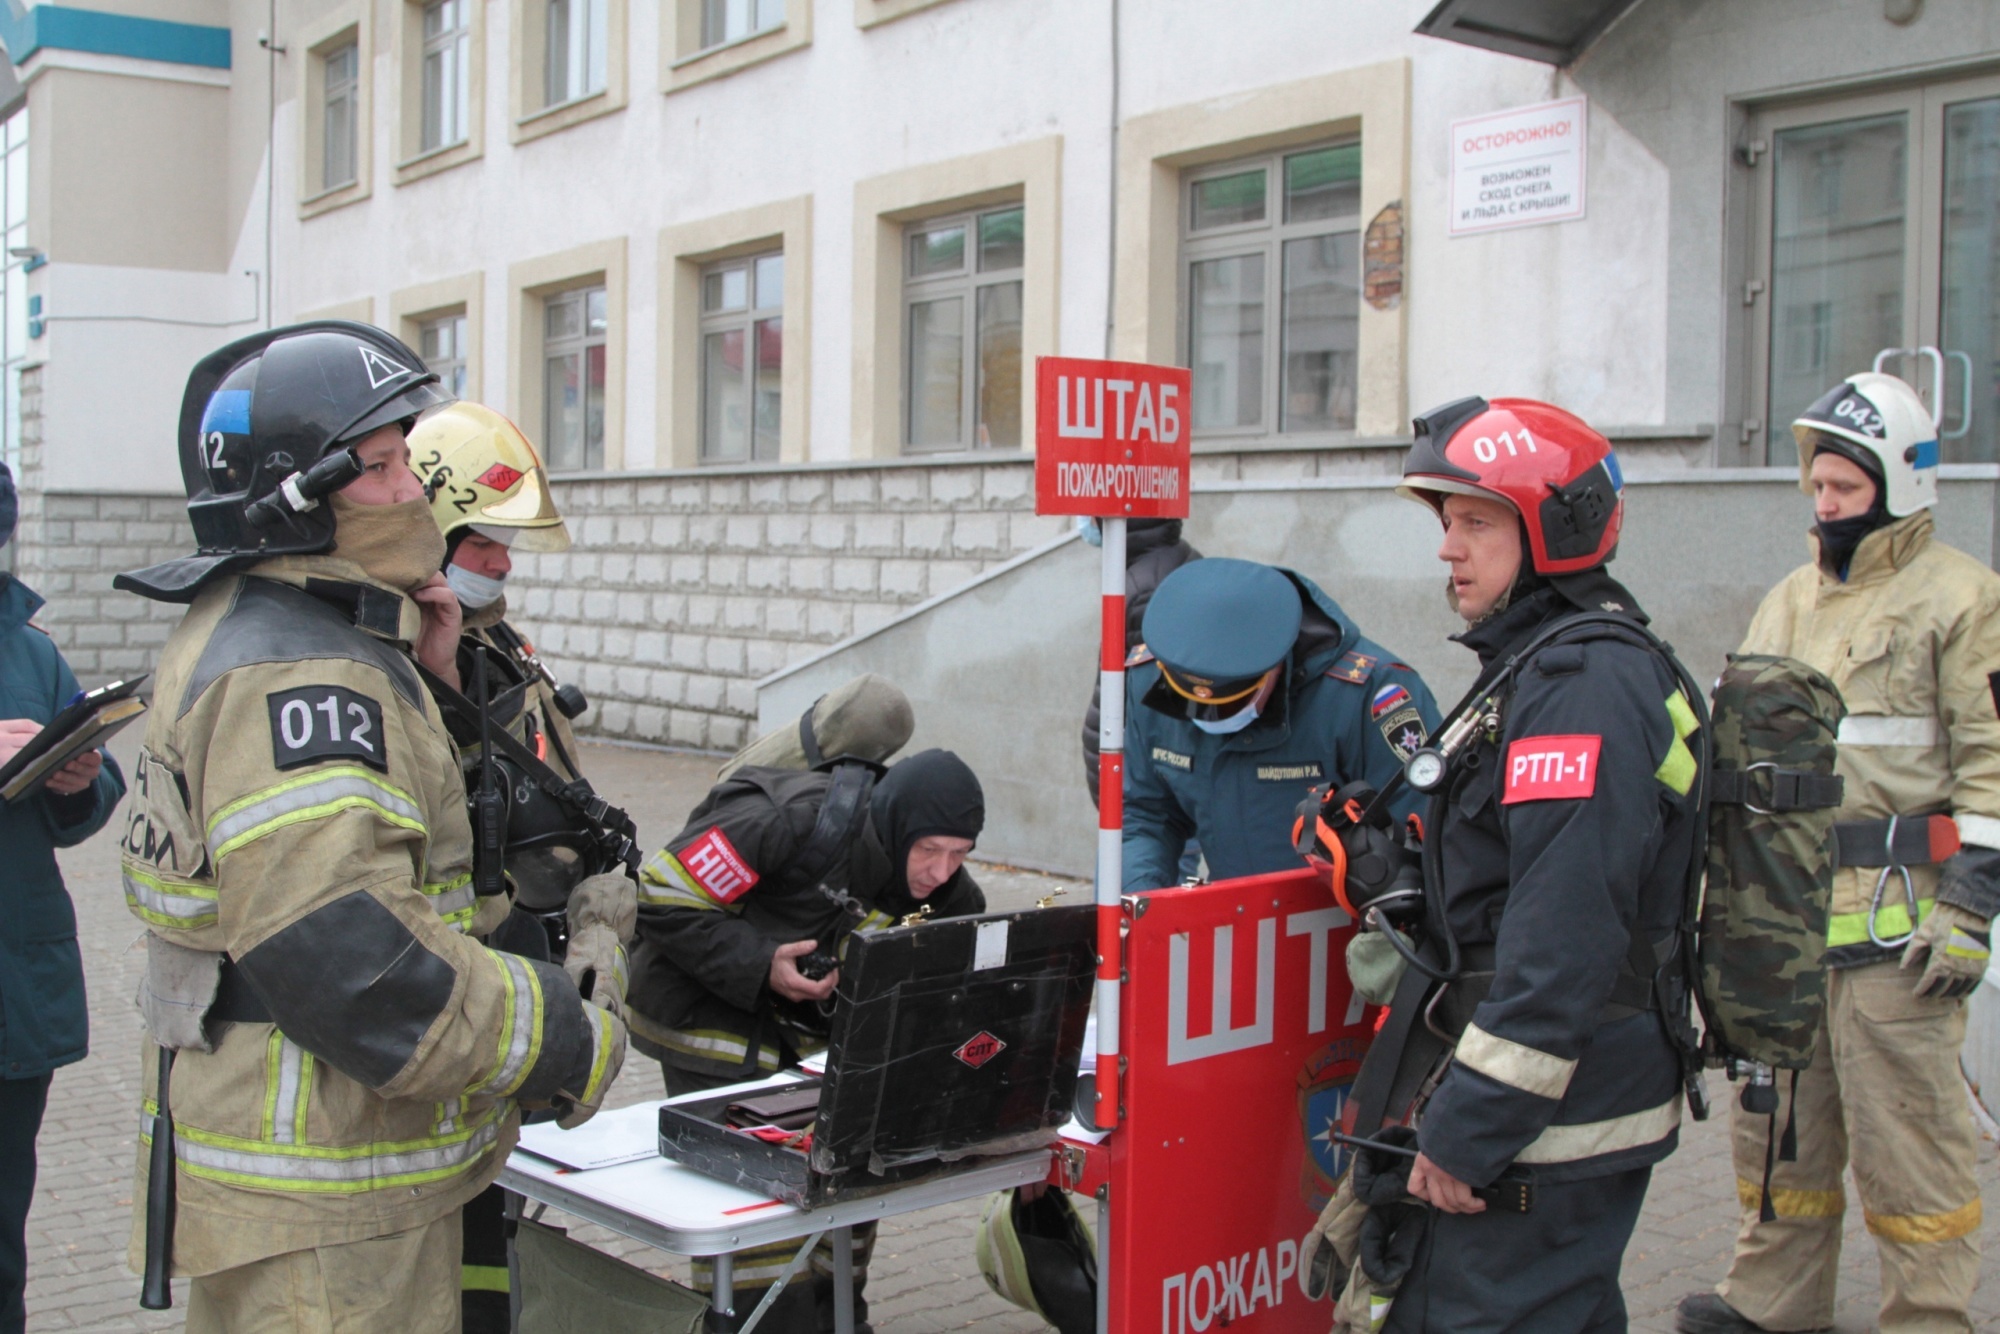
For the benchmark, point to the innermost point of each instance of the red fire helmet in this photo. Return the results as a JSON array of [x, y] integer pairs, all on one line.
[[1560, 476]]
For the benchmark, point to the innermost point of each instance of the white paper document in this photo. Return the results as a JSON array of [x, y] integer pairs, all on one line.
[[606, 1140]]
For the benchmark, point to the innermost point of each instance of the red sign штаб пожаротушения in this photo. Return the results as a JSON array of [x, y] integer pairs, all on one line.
[[1111, 439]]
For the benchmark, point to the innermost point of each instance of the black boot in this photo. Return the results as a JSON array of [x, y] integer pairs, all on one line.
[[1706, 1313]]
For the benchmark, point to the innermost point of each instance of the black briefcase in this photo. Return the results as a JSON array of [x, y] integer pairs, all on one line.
[[952, 1041]]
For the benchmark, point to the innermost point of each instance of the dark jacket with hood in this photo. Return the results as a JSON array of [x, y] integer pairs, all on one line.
[[1560, 837], [1154, 549], [718, 900], [1347, 711], [43, 1022]]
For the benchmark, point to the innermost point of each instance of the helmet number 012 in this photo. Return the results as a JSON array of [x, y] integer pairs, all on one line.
[[1486, 451]]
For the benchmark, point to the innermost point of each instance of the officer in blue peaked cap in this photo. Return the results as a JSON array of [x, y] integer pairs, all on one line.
[[1251, 688]]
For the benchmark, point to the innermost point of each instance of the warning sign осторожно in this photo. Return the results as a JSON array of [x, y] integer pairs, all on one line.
[[1518, 168]]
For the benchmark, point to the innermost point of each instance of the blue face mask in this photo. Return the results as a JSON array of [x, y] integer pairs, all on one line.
[[1088, 530], [1231, 725]]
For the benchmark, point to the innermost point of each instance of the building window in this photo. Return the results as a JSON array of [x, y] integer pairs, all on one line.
[[441, 343], [447, 99], [340, 135], [574, 328], [1272, 255], [575, 56], [962, 317], [742, 359], [733, 20]]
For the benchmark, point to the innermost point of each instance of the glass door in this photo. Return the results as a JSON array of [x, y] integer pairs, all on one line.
[[1963, 314], [1877, 226]]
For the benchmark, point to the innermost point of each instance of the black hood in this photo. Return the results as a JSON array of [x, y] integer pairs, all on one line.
[[931, 792]]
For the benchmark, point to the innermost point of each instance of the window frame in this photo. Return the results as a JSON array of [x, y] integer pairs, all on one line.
[[687, 57], [532, 284], [1268, 236], [411, 308], [450, 51], [415, 162], [459, 360], [1156, 147], [1748, 439], [754, 313], [1027, 173], [965, 284], [351, 25], [577, 345], [534, 116]]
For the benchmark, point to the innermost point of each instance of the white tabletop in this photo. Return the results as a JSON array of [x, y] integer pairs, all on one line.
[[674, 1208]]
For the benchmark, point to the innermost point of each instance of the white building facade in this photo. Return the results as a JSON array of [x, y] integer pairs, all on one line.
[[766, 278]]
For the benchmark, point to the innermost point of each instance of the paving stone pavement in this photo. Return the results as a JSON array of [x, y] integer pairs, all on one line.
[[923, 1278]]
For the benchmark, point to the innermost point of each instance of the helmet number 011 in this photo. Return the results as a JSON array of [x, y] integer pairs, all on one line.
[[1486, 451]]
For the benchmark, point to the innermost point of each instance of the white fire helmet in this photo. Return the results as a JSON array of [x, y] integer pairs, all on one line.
[[1878, 418]]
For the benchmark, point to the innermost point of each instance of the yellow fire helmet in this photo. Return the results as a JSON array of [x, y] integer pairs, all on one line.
[[481, 473]]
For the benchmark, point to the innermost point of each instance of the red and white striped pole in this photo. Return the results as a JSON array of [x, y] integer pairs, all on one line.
[[1110, 825]]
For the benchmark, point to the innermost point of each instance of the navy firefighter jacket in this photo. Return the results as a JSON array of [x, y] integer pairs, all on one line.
[[1349, 711], [1571, 830]]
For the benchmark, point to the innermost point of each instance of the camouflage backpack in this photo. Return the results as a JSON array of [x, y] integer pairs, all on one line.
[[1770, 862]]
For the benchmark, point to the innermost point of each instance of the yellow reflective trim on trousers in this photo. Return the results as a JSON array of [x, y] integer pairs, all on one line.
[[1677, 771], [1851, 928], [1921, 1229], [1791, 1203], [168, 903], [483, 1278], [311, 796], [348, 1170]]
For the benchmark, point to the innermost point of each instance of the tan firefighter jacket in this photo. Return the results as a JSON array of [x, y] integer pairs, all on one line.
[[1910, 638], [300, 809]]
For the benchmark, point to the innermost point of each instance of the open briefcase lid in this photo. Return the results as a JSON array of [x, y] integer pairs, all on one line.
[[955, 1037]]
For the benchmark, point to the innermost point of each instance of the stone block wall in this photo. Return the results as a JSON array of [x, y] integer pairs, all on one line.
[[69, 546], [683, 589]]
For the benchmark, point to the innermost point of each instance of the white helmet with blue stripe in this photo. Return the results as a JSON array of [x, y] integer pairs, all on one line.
[[1879, 422]]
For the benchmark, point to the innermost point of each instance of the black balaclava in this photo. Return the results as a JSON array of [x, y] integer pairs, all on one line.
[[931, 792], [1839, 538]]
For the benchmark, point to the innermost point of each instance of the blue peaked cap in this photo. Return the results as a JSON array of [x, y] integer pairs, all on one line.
[[1219, 621]]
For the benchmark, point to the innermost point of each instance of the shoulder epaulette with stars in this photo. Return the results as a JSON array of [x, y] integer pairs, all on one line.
[[1353, 667], [1139, 657]]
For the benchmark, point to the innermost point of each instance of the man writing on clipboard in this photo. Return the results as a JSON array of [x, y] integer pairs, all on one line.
[[41, 973]]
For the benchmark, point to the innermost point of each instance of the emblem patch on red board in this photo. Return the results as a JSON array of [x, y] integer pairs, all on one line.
[[1550, 768], [980, 1048], [499, 477], [716, 868]]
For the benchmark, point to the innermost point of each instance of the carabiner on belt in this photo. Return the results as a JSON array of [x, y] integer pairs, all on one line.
[[1882, 883]]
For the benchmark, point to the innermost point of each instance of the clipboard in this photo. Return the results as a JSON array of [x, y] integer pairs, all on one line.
[[89, 721]]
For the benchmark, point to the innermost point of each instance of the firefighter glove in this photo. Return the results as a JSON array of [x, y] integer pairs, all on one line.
[[1374, 966], [1953, 947]]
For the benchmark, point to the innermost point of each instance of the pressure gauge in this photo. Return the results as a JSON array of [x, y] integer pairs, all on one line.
[[1424, 770]]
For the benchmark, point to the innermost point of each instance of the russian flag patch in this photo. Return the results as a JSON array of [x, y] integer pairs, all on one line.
[[1388, 697]]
